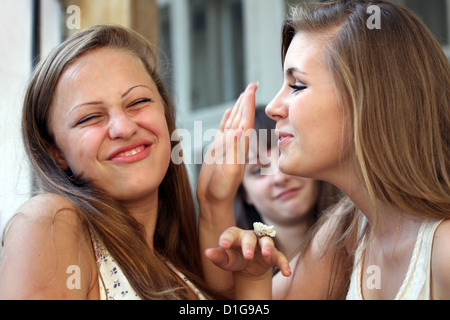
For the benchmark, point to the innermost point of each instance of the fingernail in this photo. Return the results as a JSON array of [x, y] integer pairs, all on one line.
[[224, 243]]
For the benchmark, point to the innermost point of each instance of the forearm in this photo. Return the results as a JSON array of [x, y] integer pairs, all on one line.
[[213, 221], [251, 288]]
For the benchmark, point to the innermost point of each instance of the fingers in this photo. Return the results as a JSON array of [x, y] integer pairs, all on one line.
[[228, 260], [267, 246], [243, 113], [231, 144], [280, 260], [242, 250], [234, 113], [225, 118], [234, 238], [248, 111]]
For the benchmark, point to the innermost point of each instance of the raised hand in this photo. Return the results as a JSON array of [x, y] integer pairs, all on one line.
[[225, 158], [221, 174]]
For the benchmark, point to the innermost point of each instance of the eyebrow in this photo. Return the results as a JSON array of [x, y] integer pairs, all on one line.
[[291, 71], [129, 90], [100, 102]]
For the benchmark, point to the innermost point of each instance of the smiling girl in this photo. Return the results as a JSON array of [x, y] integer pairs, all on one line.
[[368, 111], [113, 217]]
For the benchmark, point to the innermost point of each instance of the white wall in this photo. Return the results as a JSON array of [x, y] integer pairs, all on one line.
[[15, 67], [263, 21]]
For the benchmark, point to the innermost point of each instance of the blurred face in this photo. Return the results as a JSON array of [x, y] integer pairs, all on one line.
[[109, 125], [309, 118], [279, 198]]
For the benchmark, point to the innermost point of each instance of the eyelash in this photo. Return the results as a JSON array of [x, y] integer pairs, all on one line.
[[144, 100], [298, 86], [86, 119]]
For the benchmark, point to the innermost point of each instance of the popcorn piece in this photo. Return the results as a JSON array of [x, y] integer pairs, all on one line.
[[262, 230]]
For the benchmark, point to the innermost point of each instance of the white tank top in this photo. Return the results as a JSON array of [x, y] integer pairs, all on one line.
[[417, 283]]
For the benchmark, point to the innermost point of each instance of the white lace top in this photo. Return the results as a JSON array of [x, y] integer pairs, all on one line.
[[112, 281], [417, 283]]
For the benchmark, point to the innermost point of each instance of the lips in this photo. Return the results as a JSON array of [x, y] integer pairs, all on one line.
[[131, 153], [283, 137], [287, 194]]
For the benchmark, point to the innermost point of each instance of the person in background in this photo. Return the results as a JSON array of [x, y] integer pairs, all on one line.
[[291, 204], [366, 109]]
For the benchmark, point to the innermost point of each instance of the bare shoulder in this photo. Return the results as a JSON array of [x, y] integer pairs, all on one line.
[[42, 213], [39, 213], [45, 205], [440, 263], [44, 239]]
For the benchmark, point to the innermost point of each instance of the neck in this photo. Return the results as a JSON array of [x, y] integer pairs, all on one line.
[[146, 213], [387, 222]]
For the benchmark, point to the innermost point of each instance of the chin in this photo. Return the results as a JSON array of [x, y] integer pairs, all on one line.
[[287, 167]]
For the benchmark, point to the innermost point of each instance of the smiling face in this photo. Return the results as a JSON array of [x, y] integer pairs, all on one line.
[[281, 199], [109, 125], [309, 117]]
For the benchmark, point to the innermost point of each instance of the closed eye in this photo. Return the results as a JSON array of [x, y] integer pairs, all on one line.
[[298, 86], [87, 118], [139, 101]]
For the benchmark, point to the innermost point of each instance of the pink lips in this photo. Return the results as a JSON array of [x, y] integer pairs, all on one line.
[[131, 153], [287, 194], [283, 138]]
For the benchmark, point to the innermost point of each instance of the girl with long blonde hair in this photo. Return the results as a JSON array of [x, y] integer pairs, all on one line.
[[367, 109]]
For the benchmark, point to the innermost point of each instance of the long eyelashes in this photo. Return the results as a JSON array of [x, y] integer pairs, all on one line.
[[140, 101], [298, 86], [86, 119]]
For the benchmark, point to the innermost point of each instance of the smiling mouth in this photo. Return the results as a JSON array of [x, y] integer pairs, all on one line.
[[283, 138], [288, 194], [133, 155], [130, 152]]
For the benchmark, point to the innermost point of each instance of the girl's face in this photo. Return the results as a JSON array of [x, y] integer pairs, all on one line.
[[109, 125], [279, 198], [309, 118]]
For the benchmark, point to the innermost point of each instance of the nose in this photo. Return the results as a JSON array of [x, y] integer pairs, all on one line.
[[121, 126], [278, 109]]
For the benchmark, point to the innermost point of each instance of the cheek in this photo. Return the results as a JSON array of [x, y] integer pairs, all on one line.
[[154, 121], [82, 150], [318, 124], [257, 190]]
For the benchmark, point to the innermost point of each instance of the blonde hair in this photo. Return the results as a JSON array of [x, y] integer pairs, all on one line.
[[175, 235], [393, 84]]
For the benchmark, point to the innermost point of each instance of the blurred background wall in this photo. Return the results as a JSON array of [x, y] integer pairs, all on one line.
[[209, 50]]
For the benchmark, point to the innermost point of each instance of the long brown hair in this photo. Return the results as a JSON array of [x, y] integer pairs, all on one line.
[[175, 235], [393, 84]]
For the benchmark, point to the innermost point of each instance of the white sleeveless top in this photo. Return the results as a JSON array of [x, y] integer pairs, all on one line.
[[417, 283], [112, 281]]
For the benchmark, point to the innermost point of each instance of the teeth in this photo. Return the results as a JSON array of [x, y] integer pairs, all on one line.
[[131, 152]]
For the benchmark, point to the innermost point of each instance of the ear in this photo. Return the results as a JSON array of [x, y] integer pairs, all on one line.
[[57, 156]]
